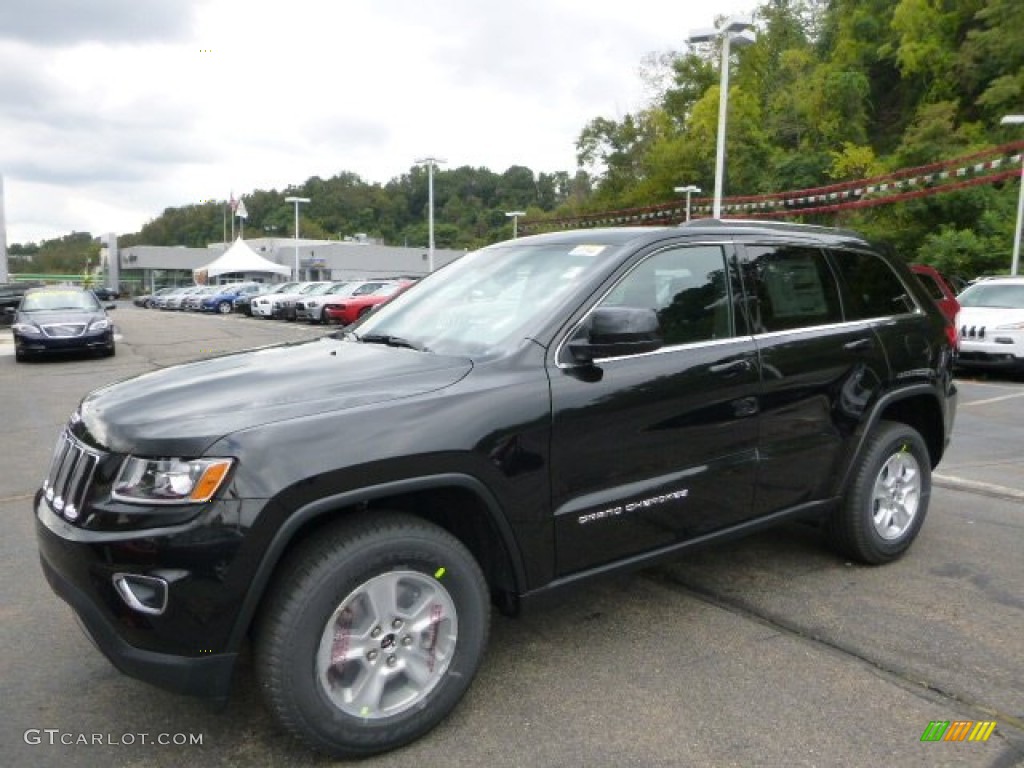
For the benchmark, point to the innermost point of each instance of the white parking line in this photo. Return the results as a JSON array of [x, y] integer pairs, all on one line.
[[999, 399]]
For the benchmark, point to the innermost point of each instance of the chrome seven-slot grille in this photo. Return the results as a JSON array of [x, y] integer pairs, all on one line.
[[69, 477]]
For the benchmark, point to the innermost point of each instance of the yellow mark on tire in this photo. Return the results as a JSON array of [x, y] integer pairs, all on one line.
[[439, 573]]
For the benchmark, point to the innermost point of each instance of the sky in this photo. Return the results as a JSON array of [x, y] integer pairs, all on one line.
[[113, 110]]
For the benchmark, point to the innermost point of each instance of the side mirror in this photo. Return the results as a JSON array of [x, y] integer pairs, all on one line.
[[617, 332]]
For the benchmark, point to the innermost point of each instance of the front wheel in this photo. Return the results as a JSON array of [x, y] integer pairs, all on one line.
[[224, 307], [887, 499], [372, 633]]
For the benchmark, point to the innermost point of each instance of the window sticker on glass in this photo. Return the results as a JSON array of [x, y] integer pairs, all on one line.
[[587, 250]]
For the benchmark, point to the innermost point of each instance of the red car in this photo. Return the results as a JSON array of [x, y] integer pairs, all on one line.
[[939, 289], [347, 309]]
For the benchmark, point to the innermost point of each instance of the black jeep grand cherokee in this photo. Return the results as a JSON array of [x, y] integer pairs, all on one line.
[[541, 411]]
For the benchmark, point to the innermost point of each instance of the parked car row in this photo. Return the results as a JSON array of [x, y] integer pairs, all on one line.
[[340, 302], [319, 301], [199, 298]]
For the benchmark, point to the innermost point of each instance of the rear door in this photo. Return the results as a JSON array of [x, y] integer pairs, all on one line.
[[652, 449], [820, 371]]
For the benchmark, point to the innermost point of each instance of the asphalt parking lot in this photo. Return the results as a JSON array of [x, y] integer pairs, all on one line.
[[769, 651]]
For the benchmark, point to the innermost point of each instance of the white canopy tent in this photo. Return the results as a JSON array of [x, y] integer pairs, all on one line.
[[238, 258]]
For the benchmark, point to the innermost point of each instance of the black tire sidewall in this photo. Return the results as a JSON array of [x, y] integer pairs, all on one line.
[[318, 721], [861, 538]]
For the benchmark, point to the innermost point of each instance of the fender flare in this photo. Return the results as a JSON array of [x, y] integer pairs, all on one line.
[[869, 424], [323, 506]]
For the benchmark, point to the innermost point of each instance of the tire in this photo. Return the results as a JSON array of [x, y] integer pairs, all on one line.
[[342, 593], [224, 308], [887, 498], [110, 351]]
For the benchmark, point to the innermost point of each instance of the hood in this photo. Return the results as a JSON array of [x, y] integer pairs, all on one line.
[[180, 411], [990, 317], [60, 316]]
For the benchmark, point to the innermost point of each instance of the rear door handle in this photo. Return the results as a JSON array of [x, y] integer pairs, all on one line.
[[731, 368]]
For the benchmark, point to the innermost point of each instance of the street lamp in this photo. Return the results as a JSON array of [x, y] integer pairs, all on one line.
[[738, 32], [297, 201], [1017, 120], [688, 189], [514, 215], [430, 162]]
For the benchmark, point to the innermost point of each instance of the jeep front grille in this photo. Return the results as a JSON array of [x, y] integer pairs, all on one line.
[[70, 475]]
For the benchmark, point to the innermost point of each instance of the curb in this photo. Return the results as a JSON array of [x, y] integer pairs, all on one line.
[[974, 486]]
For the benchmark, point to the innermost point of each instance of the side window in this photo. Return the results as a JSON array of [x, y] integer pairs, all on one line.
[[928, 281], [873, 289], [790, 287], [687, 287]]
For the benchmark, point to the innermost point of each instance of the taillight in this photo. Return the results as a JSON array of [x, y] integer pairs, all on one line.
[[952, 336]]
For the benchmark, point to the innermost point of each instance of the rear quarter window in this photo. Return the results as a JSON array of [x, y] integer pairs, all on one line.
[[872, 287]]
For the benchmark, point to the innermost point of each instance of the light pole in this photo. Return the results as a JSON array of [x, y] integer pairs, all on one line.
[[430, 162], [688, 189], [739, 32], [514, 215], [297, 201], [1017, 120]]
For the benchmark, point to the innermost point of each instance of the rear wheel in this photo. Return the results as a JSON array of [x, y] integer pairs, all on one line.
[[224, 307], [371, 635], [887, 499]]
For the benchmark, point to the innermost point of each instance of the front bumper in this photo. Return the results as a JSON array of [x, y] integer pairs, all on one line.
[[185, 648], [206, 676], [992, 354], [38, 345]]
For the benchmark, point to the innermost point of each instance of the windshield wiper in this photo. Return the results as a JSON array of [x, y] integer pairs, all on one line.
[[391, 341]]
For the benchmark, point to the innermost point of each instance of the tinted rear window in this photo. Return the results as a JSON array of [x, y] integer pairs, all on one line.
[[873, 289]]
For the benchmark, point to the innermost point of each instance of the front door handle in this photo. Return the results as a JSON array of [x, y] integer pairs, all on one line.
[[860, 345], [731, 368]]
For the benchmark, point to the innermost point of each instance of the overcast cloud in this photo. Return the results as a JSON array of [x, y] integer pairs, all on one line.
[[113, 110]]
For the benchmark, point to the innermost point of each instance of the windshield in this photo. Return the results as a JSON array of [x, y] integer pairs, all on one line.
[[486, 301], [341, 289], [50, 300], [316, 290], [1008, 296]]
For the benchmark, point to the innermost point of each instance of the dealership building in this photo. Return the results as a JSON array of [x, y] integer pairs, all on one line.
[[144, 268]]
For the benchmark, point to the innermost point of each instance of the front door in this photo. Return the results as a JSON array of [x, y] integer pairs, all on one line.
[[652, 449]]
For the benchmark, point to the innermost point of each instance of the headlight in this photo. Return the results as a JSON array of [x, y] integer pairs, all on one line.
[[26, 328], [99, 325], [170, 481]]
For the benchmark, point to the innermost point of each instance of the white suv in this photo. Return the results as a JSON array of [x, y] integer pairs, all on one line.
[[991, 324]]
